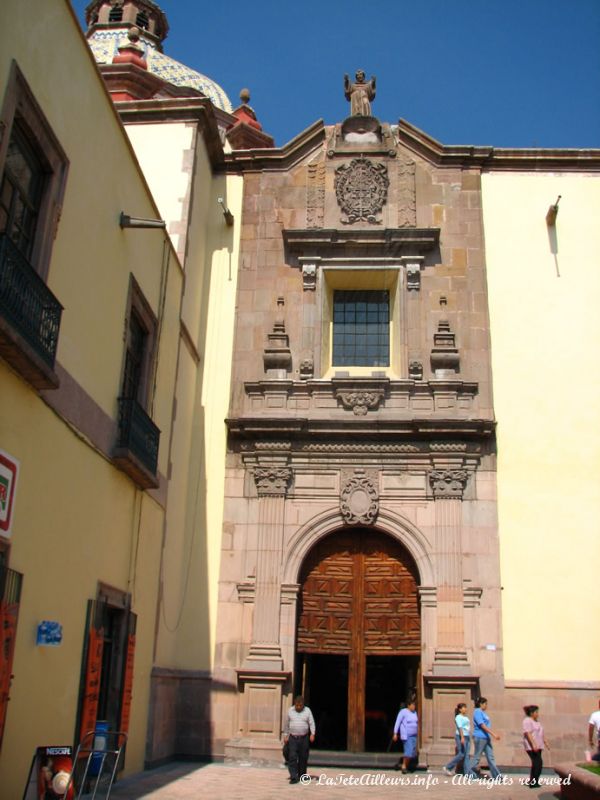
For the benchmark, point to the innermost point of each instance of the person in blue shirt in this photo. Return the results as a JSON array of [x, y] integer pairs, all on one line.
[[406, 727], [482, 738], [462, 737]]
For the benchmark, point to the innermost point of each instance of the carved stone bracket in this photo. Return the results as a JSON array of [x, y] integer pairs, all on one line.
[[415, 370], [413, 278], [361, 190], [307, 369], [309, 277], [359, 499], [448, 483], [272, 481], [360, 402]]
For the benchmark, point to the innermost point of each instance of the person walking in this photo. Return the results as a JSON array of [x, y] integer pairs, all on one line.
[[482, 738], [462, 737], [594, 727], [534, 741], [406, 727], [299, 734]]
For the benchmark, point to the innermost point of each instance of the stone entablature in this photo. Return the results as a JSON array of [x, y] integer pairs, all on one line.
[[361, 397]]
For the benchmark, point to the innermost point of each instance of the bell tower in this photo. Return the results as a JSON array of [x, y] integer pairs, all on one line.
[[107, 15]]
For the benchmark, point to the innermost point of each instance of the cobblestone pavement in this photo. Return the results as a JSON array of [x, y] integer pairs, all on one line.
[[181, 781]]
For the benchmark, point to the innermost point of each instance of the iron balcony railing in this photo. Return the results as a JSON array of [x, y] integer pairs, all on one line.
[[26, 303], [137, 433]]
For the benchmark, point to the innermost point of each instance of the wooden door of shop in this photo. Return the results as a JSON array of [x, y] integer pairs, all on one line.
[[359, 599]]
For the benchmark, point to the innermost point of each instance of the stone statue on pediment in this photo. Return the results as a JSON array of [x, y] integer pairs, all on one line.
[[360, 93]]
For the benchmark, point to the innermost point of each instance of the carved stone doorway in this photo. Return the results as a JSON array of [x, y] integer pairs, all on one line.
[[358, 637]]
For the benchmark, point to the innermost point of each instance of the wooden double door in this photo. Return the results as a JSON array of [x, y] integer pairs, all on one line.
[[358, 637]]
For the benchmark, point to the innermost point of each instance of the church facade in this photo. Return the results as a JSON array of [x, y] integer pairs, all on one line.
[[374, 479]]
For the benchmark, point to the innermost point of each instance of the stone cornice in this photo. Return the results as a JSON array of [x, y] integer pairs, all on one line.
[[277, 158], [420, 143], [360, 429], [496, 158], [383, 243]]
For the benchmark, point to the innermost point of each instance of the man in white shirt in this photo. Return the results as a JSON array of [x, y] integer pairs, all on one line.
[[594, 725], [299, 733]]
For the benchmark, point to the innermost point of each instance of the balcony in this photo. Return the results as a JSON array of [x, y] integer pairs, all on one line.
[[29, 318], [136, 452]]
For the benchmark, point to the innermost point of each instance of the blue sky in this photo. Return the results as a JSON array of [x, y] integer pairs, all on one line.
[[508, 73]]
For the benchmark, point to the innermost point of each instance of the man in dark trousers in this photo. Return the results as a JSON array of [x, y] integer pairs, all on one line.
[[299, 734]]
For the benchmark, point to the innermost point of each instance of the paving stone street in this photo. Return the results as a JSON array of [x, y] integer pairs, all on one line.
[[184, 781]]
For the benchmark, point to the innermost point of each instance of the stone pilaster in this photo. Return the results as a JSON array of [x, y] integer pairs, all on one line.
[[448, 486], [272, 483]]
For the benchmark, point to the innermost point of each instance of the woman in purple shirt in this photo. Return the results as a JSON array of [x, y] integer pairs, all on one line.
[[534, 741], [407, 726]]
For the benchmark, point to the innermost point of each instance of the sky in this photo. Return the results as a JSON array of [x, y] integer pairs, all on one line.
[[506, 73]]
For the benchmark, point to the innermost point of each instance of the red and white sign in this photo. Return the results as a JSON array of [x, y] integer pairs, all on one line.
[[9, 472]]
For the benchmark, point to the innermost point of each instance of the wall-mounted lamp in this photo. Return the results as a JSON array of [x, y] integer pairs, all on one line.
[[125, 221], [552, 212], [226, 212]]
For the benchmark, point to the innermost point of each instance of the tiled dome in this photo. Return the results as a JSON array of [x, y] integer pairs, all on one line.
[[105, 43], [109, 23]]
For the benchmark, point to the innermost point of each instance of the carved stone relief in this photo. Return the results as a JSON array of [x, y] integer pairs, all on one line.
[[359, 498], [407, 208], [315, 195], [360, 402], [361, 189]]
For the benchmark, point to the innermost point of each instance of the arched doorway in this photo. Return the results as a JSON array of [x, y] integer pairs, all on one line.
[[358, 638]]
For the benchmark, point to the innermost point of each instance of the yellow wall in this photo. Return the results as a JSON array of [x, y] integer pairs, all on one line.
[[190, 568], [78, 519], [75, 523], [543, 289], [195, 508]]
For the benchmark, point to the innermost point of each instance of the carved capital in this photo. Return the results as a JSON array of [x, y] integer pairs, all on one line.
[[272, 481], [359, 499], [448, 483], [361, 402]]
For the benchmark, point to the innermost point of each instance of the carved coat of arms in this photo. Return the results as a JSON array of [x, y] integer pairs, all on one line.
[[361, 190]]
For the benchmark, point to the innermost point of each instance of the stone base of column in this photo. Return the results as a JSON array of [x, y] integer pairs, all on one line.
[[267, 752], [445, 693], [259, 714]]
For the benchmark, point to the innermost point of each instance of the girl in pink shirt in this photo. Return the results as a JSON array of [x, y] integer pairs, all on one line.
[[534, 742]]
